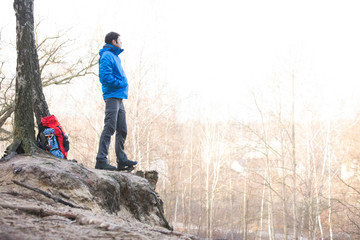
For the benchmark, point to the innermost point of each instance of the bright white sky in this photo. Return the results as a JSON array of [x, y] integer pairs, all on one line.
[[220, 50]]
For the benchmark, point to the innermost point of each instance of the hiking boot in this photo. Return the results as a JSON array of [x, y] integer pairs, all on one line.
[[125, 168], [105, 166], [126, 163]]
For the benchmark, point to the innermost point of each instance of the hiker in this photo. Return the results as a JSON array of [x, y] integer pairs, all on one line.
[[115, 90]]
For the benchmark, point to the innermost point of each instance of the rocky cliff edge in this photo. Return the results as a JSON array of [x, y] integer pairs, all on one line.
[[42, 197]]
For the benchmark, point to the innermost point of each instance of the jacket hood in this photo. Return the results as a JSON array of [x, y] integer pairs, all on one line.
[[111, 48]]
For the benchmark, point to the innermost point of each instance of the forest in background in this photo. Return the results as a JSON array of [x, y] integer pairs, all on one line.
[[287, 172]]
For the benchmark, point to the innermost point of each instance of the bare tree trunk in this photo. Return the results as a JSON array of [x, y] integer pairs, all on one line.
[[294, 157], [135, 127], [41, 108], [314, 177], [270, 204], [311, 176], [284, 198], [318, 217], [148, 149], [320, 190], [283, 186], [207, 193], [302, 219], [327, 152], [207, 158], [176, 208], [231, 206], [215, 179], [26, 72], [271, 228], [29, 97], [183, 201], [191, 182], [268, 175], [135, 141], [262, 206], [245, 210]]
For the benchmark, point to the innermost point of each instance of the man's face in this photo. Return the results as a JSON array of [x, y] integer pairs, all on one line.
[[117, 43]]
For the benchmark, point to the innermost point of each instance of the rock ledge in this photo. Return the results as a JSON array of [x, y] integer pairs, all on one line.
[[46, 197]]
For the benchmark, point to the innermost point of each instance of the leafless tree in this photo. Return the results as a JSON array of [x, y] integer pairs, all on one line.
[[27, 73], [57, 66]]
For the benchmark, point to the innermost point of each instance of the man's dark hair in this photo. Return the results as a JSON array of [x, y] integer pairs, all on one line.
[[111, 36]]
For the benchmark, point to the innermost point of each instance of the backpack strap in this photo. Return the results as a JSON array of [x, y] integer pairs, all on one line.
[[41, 139], [61, 130], [66, 144]]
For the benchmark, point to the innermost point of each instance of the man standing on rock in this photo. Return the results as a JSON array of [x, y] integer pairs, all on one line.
[[115, 89]]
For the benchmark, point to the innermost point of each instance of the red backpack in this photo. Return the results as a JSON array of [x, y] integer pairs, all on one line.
[[62, 138]]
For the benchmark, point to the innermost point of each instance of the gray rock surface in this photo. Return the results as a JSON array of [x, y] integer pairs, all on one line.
[[42, 197]]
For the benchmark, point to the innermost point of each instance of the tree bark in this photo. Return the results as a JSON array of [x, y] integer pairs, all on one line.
[[25, 75], [41, 108], [29, 97]]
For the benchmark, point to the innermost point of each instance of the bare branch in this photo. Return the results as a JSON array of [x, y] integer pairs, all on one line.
[[52, 51], [348, 185], [72, 73]]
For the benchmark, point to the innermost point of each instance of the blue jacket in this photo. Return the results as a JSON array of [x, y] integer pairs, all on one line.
[[112, 75]]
